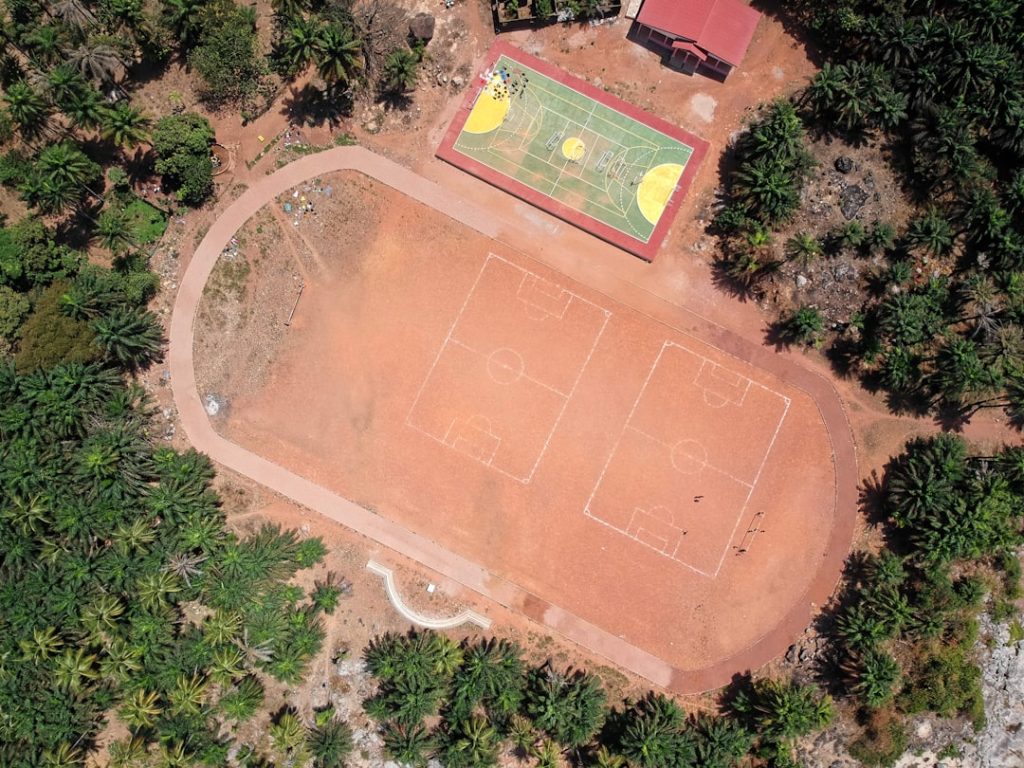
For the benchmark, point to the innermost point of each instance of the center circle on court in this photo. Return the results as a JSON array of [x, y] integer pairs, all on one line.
[[505, 366], [573, 149], [689, 457]]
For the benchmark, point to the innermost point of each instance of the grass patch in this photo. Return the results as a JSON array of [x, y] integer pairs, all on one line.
[[1016, 632], [146, 223]]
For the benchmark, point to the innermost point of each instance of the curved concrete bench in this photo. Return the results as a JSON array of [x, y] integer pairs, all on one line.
[[464, 617]]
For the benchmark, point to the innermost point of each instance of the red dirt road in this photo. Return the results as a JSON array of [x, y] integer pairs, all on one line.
[[637, 589]]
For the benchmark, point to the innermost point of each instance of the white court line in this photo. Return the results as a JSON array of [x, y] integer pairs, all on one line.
[[615, 448], [750, 486], [757, 477], [485, 357], [669, 447], [449, 338], [610, 108], [583, 129], [444, 343]]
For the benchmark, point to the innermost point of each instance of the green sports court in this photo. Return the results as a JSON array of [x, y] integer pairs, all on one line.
[[569, 148]]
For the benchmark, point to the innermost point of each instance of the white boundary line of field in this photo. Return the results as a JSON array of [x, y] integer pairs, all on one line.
[[628, 425], [566, 398]]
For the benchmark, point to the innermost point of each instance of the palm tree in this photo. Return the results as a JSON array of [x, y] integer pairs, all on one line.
[[299, 44], [44, 644], [120, 661], [804, 247], [653, 734], [408, 745], [153, 589], [125, 126], [804, 325], [568, 706], [472, 743], [227, 665], [290, 739], [722, 741], [141, 709], [400, 72], [26, 107], [188, 694], [241, 702], [73, 13], [62, 83], [931, 232], [185, 17], [127, 753], [98, 62], [45, 43], [289, 10], [64, 756], [112, 231], [131, 337], [85, 108], [222, 627], [75, 666], [768, 189], [330, 741], [338, 53], [65, 163]]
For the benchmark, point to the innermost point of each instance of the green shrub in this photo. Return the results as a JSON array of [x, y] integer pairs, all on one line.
[[883, 742], [49, 336], [946, 682]]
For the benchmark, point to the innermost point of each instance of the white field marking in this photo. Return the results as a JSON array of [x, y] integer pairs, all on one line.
[[668, 447], [610, 108], [444, 343], [750, 486], [417, 618], [615, 448], [453, 442], [449, 338], [537, 283], [485, 356], [580, 132], [712, 374], [757, 477]]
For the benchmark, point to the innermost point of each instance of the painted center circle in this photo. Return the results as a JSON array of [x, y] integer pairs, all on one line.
[[505, 366], [573, 149], [689, 457]]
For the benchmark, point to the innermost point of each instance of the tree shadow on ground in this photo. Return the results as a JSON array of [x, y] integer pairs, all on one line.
[[795, 19], [312, 106]]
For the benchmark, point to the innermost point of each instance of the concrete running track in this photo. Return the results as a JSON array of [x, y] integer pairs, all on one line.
[[497, 225]]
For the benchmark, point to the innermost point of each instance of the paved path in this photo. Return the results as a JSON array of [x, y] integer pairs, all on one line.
[[497, 224]]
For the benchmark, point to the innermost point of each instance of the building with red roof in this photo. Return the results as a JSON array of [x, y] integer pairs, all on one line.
[[710, 36]]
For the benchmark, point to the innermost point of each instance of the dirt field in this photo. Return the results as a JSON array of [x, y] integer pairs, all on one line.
[[609, 464]]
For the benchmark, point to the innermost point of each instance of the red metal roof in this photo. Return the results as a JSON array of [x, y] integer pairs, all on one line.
[[723, 28], [683, 45]]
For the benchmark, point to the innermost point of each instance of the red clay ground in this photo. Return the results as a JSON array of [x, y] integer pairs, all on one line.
[[609, 464]]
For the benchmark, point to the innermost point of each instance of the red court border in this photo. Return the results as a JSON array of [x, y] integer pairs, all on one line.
[[647, 251]]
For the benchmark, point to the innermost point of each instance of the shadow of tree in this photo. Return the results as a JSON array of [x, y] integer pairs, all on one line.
[[313, 106]]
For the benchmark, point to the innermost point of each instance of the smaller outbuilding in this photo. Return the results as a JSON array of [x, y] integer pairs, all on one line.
[[706, 36]]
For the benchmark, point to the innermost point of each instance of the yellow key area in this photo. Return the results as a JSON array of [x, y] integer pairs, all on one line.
[[573, 149], [655, 189], [489, 111]]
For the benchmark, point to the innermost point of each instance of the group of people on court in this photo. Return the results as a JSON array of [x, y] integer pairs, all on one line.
[[513, 82]]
